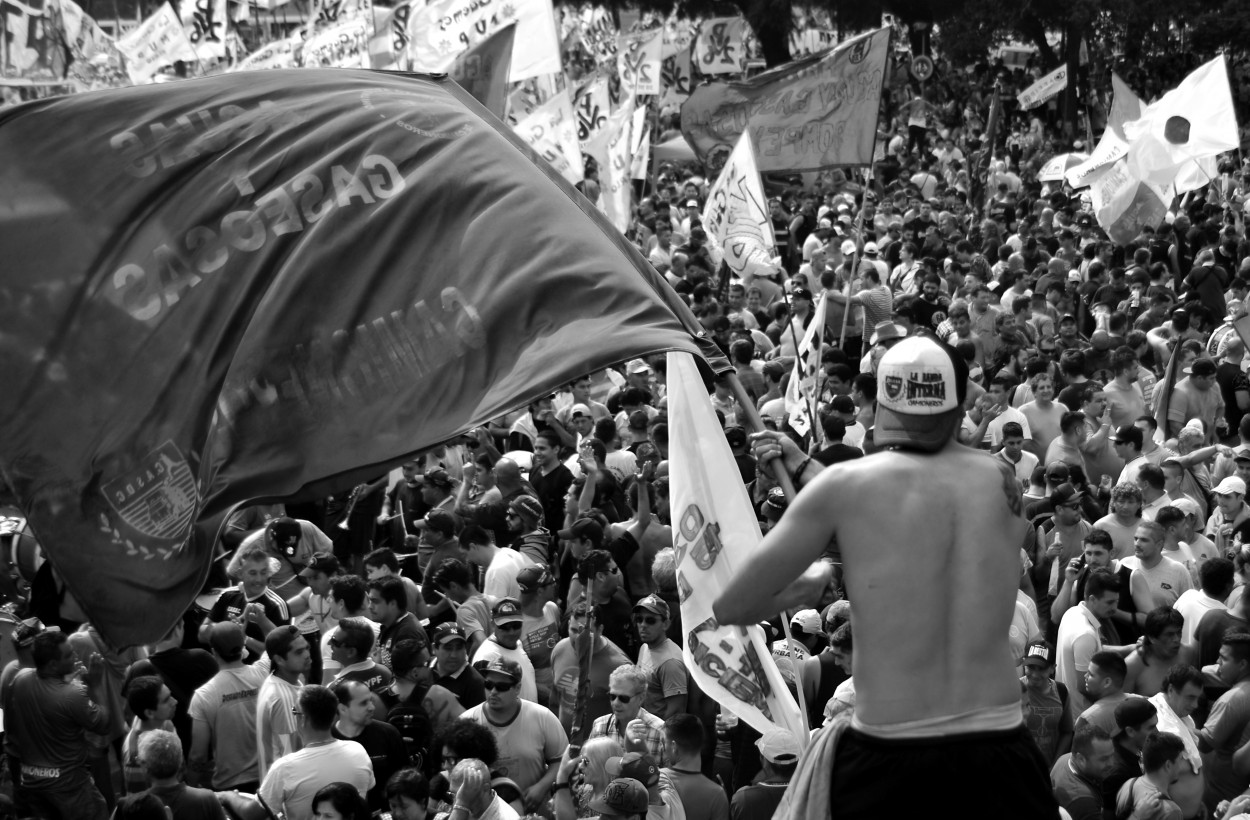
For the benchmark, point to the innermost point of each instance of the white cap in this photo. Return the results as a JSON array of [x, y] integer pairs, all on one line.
[[810, 620], [848, 248], [1231, 484], [870, 248], [918, 394]]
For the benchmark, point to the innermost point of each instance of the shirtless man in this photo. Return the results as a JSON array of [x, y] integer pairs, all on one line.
[[1148, 665], [909, 532]]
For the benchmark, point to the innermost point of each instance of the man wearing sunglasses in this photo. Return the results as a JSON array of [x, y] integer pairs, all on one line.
[[531, 740], [629, 723], [660, 659], [506, 644]]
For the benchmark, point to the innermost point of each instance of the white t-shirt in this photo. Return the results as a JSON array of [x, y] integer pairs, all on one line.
[[294, 780], [1078, 641], [276, 732], [532, 740], [1167, 580], [501, 574], [331, 667], [1192, 605], [491, 649], [994, 432]]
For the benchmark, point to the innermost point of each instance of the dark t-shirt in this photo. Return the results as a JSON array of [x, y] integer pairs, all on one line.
[[1080, 797], [377, 677], [187, 803], [551, 490], [758, 800], [618, 624], [229, 607], [406, 627], [1231, 379], [387, 753], [467, 687], [184, 671]]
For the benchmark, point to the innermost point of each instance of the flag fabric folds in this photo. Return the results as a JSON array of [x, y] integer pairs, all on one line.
[[814, 113], [1125, 107], [800, 398], [158, 41], [1044, 89], [273, 283], [714, 530], [736, 215], [483, 70], [441, 29]]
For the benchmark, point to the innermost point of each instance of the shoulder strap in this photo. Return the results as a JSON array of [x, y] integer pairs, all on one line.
[[1063, 693]]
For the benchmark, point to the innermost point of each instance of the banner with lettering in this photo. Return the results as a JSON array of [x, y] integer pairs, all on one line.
[[388, 46], [736, 214], [638, 61], [804, 42], [205, 22], [252, 286], [597, 32], [610, 148], [552, 132], [32, 48], [675, 78], [94, 60], [714, 530], [342, 44], [723, 46], [1044, 89], [284, 53], [679, 36], [814, 113], [592, 106], [442, 29], [483, 72], [158, 41], [1123, 202]]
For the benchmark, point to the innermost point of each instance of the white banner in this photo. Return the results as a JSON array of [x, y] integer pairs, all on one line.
[[551, 130], [611, 150], [801, 391], [388, 47], [723, 46], [737, 210], [158, 41], [675, 79], [592, 106], [344, 44], [714, 530], [205, 23], [1044, 89], [638, 61], [1125, 106], [278, 54], [444, 28]]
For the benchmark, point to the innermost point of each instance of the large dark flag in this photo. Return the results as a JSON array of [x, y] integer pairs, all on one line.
[[817, 112], [483, 70], [269, 283]]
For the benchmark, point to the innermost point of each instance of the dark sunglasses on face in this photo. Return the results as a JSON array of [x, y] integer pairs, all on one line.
[[494, 686], [649, 620], [621, 698]]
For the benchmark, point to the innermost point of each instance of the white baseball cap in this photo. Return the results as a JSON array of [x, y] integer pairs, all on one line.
[[921, 385], [1231, 484]]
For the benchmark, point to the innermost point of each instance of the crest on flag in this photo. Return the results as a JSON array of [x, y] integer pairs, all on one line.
[[158, 497]]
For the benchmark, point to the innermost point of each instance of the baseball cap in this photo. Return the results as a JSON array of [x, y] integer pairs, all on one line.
[[531, 579], [437, 477], [587, 529], [692, 203], [579, 410], [527, 506], [1241, 454], [501, 666], [441, 521], [920, 396], [226, 638], [1134, 712], [735, 436], [778, 745], [809, 620], [871, 249], [848, 248], [507, 611], [447, 632], [1231, 484], [637, 366], [1057, 472], [635, 766], [1188, 506], [26, 631], [1127, 433], [621, 797], [321, 562], [842, 404], [285, 534], [801, 293], [653, 603], [1040, 651], [1065, 494], [1202, 367]]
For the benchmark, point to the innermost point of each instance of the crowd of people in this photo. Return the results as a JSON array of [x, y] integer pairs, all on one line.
[[495, 631]]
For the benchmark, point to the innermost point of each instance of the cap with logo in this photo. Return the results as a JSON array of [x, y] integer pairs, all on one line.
[[1127, 434], [1039, 652], [809, 620], [436, 477], [285, 534], [653, 604], [321, 562], [507, 611], [622, 796], [920, 395], [635, 766], [445, 633], [527, 506], [26, 631], [532, 579], [501, 666]]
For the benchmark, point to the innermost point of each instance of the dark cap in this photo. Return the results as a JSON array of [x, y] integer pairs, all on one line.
[[801, 293], [587, 529], [842, 404], [1133, 712], [437, 477], [1064, 494], [527, 506], [441, 521], [285, 534], [227, 638], [447, 632], [1057, 472], [507, 611], [502, 666], [321, 562], [736, 436], [1040, 651], [1128, 433], [1202, 367], [633, 765], [623, 796], [25, 632], [654, 604], [531, 579]]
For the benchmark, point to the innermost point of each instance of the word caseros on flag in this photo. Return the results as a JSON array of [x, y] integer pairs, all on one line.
[[714, 530], [273, 283], [818, 112]]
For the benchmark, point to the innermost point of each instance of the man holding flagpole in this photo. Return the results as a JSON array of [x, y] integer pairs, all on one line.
[[929, 532]]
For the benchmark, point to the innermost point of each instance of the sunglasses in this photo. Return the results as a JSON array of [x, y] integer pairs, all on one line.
[[621, 698], [493, 686], [649, 620]]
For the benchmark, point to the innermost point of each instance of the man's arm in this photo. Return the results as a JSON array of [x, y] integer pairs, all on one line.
[[298, 604], [1083, 648], [1063, 598], [199, 766]]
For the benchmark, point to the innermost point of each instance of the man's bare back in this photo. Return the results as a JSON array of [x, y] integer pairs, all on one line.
[[930, 544]]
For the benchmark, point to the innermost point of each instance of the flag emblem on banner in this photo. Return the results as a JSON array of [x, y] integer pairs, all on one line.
[[158, 497]]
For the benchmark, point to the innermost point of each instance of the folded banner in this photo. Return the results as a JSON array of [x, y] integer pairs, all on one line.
[[276, 283], [1044, 89], [612, 150], [592, 104], [282, 53], [441, 29], [1124, 203], [814, 113], [1125, 107], [714, 530], [158, 41], [551, 130], [388, 46], [800, 398], [736, 215], [483, 71]]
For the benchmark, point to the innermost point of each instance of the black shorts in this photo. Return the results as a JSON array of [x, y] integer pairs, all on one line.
[[990, 775]]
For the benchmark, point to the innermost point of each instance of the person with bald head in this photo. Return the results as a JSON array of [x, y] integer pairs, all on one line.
[[491, 512]]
